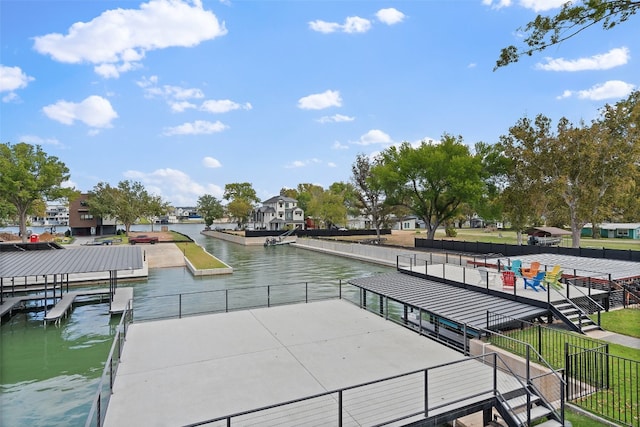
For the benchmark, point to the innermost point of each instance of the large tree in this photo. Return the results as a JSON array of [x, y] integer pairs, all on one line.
[[369, 192], [431, 180], [573, 18], [579, 165], [28, 178], [126, 203], [242, 200], [210, 208], [327, 208]]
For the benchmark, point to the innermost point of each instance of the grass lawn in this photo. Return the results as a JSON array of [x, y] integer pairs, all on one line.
[[626, 322], [198, 257], [509, 237]]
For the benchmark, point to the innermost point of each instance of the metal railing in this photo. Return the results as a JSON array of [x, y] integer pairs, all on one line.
[[105, 384], [406, 397], [604, 384], [547, 380], [225, 300]]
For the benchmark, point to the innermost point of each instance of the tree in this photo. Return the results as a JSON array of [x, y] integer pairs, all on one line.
[[242, 198], [579, 165], [573, 18], [126, 203], [369, 192], [28, 177], [154, 207], [210, 208], [431, 180], [328, 208]]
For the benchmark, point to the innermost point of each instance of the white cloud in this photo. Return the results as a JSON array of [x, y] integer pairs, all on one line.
[[210, 162], [338, 146], [611, 89], [319, 101], [542, 5], [355, 24], [614, 58], [352, 24], [223, 106], [174, 186], [182, 106], [118, 39], [324, 27], [374, 136], [12, 79], [535, 5], [94, 111], [332, 165], [336, 118], [390, 16], [199, 127], [36, 140], [302, 163], [499, 4]]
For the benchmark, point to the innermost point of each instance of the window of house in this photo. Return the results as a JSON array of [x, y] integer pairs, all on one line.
[[622, 232], [86, 217]]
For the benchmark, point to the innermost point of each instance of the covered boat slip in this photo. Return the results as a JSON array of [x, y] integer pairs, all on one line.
[[44, 275], [203, 368]]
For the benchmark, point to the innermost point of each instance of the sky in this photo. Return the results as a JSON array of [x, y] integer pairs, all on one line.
[[188, 96]]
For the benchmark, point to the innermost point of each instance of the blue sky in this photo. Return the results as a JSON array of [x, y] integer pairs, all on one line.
[[188, 96]]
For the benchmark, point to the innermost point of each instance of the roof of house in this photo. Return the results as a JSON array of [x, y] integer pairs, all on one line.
[[275, 199]]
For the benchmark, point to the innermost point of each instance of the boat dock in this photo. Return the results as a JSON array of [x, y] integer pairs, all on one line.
[[120, 300]]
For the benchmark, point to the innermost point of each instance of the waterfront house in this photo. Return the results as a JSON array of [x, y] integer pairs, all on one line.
[[277, 213]]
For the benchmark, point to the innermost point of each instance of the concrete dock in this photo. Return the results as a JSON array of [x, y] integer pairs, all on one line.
[[182, 371]]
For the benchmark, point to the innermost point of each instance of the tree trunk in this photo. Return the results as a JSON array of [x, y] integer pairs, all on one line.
[[23, 225]]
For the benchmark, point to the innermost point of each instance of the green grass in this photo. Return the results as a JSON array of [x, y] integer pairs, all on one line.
[[626, 322], [577, 419], [177, 237], [509, 237], [198, 257]]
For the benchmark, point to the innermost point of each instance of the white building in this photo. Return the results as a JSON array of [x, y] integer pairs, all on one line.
[[277, 213]]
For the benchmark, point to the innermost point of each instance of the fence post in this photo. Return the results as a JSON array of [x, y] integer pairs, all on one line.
[[426, 393], [268, 295], [226, 300], [306, 292], [179, 306], [340, 408], [340, 288]]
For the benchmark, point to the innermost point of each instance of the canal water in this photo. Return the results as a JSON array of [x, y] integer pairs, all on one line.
[[49, 375]]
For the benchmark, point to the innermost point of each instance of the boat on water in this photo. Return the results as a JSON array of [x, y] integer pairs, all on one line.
[[280, 240]]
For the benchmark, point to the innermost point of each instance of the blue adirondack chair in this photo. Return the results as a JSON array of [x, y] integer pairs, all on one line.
[[535, 282]]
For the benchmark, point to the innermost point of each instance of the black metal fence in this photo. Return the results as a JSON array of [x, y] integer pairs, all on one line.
[[508, 250], [604, 384], [601, 383], [316, 233]]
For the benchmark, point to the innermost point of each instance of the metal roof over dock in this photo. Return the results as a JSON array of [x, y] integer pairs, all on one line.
[[69, 261], [464, 306]]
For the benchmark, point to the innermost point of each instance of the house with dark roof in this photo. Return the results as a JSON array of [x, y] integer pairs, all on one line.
[[278, 213]]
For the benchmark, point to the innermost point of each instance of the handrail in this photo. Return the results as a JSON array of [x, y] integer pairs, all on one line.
[[109, 368], [599, 308], [542, 361], [492, 390]]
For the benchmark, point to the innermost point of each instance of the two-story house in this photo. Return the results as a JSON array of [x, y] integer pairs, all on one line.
[[278, 213], [83, 223]]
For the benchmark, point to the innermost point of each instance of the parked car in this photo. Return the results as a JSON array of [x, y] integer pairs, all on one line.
[[143, 238]]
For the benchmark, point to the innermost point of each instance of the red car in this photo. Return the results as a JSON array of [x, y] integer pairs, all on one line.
[[143, 238]]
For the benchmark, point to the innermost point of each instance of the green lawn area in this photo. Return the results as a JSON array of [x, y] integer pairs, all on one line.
[[509, 237], [626, 322], [198, 257]]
